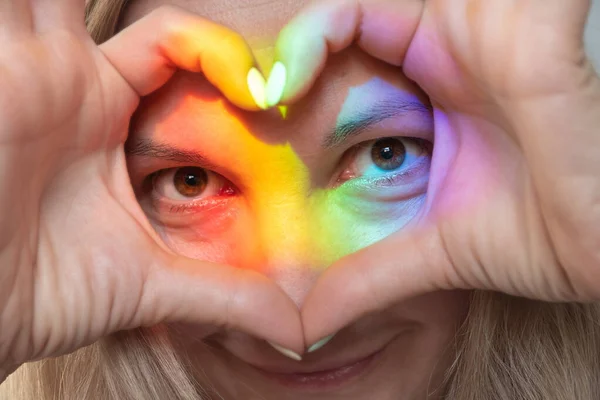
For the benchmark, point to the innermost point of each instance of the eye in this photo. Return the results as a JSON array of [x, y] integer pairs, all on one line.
[[189, 183], [383, 158]]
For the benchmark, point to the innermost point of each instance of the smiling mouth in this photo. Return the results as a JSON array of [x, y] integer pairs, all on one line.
[[326, 379]]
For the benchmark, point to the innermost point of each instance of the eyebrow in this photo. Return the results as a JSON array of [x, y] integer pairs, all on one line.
[[152, 149], [380, 111]]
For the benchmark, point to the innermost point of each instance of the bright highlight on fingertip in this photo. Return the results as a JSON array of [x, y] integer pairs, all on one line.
[[276, 84], [286, 352], [321, 343], [257, 85]]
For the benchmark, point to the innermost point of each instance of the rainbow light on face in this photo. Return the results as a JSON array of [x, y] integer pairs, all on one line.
[[292, 221], [289, 220]]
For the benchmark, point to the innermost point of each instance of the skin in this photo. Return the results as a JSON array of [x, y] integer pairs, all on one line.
[[77, 148], [67, 279], [503, 100], [284, 174]]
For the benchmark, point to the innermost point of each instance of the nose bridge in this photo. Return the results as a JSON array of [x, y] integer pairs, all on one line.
[[284, 226], [283, 213], [287, 246]]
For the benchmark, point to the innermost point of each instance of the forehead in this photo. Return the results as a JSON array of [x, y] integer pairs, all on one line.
[[259, 21]]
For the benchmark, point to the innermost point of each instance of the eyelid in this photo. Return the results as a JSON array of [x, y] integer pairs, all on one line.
[[350, 158], [418, 181], [413, 125], [166, 176], [148, 165], [216, 195], [142, 168]]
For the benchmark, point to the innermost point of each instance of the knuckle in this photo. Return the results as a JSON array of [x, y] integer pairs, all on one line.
[[227, 39], [170, 19], [168, 11]]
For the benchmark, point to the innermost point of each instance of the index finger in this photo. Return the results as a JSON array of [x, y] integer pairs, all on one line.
[[382, 28], [148, 53]]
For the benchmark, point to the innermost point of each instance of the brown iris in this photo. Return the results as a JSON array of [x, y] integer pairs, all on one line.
[[190, 181], [388, 154]]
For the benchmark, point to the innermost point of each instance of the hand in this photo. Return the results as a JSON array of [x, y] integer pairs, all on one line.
[[514, 196], [78, 259]]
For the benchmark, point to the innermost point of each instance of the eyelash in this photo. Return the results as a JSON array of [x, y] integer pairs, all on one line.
[[391, 178], [387, 180], [193, 206], [225, 190], [394, 180]]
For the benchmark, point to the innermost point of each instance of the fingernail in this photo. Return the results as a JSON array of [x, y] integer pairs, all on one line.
[[286, 352], [320, 343], [257, 86], [276, 84]]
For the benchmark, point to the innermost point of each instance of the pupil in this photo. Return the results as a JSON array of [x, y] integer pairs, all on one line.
[[191, 180], [387, 153]]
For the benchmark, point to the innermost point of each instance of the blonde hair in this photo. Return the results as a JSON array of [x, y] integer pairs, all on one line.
[[507, 349]]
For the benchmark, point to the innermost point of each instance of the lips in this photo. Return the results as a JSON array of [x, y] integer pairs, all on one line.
[[330, 368], [325, 366], [323, 379], [340, 353], [352, 354]]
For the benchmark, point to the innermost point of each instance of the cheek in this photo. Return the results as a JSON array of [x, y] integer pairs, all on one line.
[[219, 234], [314, 232], [346, 224]]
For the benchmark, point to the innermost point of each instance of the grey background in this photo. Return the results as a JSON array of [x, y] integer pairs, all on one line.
[[592, 34]]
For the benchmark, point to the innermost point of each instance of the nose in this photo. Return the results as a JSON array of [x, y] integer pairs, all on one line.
[[286, 236], [282, 228], [296, 280]]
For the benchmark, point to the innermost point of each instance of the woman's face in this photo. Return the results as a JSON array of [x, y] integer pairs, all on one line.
[[287, 197]]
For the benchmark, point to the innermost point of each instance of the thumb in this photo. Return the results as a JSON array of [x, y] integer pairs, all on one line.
[[177, 289], [401, 266], [571, 15]]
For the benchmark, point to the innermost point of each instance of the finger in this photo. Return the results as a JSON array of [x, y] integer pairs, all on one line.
[[375, 278], [206, 294], [15, 15], [382, 28], [148, 52], [53, 14], [572, 15]]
